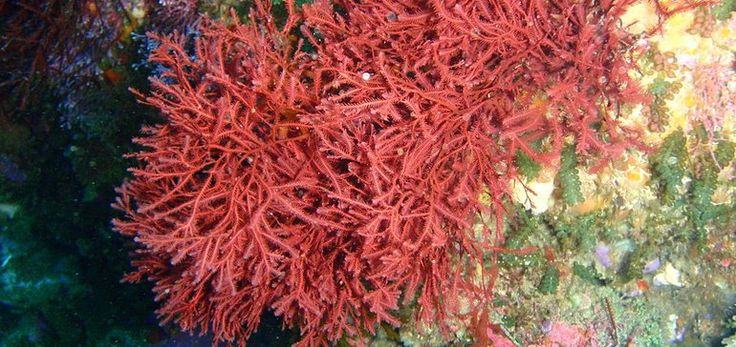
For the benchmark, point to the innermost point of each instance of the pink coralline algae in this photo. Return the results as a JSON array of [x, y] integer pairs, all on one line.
[[562, 335]]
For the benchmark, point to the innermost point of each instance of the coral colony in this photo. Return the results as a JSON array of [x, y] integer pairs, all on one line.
[[331, 168]]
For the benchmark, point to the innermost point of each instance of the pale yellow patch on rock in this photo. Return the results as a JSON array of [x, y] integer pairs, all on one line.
[[640, 17], [538, 196], [669, 276]]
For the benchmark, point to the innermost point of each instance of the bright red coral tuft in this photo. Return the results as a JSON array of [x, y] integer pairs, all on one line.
[[333, 188]]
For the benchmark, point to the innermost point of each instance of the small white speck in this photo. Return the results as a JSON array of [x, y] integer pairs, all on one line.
[[366, 76]]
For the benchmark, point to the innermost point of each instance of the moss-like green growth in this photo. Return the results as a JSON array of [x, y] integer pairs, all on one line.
[[662, 88], [517, 237], [724, 9], [588, 274], [632, 266], [508, 321], [669, 164], [724, 152], [526, 165], [550, 281], [568, 176], [700, 209], [663, 91], [578, 232]]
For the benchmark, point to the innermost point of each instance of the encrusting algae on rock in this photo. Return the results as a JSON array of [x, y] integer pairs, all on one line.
[[641, 219]]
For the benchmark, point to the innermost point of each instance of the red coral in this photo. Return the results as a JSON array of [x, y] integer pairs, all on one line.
[[331, 189]]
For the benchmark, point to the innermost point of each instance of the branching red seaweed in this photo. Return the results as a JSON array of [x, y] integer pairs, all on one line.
[[332, 188]]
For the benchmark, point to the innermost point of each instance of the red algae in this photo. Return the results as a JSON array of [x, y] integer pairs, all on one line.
[[333, 188]]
